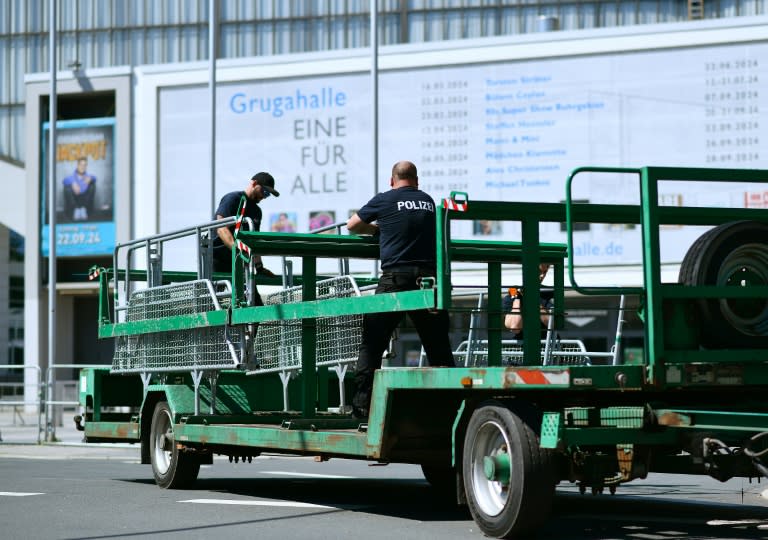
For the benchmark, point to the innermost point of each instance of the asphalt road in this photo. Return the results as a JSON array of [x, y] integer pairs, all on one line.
[[78, 492]]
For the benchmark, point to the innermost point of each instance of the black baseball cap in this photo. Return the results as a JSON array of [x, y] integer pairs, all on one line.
[[265, 180]]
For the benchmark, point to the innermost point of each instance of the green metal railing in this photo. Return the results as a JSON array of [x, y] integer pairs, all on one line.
[[651, 216]]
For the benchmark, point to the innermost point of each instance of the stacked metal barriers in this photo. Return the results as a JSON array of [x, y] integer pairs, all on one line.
[[211, 348], [277, 346], [562, 352], [473, 352]]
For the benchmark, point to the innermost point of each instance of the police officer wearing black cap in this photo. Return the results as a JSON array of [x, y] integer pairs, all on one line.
[[260, 186], [405, 223]]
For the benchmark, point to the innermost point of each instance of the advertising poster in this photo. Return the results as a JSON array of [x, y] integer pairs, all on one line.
[[499, 131], [85, 185]]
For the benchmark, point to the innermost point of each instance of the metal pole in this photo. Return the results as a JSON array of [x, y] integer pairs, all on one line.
[[50, 427], [375, 102], [212, 54]]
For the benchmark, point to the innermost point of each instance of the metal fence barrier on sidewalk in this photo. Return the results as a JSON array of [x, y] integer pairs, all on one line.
[[41, 399], [27, 399], [65, 394]]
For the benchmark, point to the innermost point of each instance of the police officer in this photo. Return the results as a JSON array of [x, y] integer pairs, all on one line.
[[405, 224], [261, 186]]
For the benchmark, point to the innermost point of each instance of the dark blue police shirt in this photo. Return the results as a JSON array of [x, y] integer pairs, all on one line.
[[228, 207], [406, 220]]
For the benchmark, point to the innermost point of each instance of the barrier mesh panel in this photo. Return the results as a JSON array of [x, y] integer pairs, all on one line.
[[564, 352], [197, 348], [278, 344]]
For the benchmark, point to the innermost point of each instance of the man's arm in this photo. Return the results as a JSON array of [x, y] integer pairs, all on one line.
[[514, 319], [229, 240], [225, 234], [358, 226]]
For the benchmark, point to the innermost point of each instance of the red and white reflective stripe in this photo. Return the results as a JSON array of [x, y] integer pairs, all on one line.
[[450, 204], [535, 376], [243, 247], [94, 275], [239, 221]]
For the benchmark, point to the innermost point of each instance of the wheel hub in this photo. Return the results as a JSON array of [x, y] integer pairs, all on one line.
[[496, 468], [746, 266], [166, 441]]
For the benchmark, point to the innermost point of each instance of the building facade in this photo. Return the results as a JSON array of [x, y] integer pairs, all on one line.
[[116, 60], [98, 34]]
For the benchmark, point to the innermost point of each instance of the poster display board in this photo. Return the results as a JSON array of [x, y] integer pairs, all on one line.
[[85, 185], [502, 131]]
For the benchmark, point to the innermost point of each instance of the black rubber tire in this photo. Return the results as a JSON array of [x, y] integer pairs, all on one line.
[[734, 254], [525, 502], [172, 468]]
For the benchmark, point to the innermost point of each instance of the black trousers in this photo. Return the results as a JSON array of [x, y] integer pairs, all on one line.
[[222, 262], [222, 259], [432, 327]]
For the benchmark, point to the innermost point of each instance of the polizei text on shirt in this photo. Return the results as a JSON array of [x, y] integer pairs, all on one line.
[[415, 205]]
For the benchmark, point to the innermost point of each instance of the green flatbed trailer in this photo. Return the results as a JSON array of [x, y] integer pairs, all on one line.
[[192, 376]]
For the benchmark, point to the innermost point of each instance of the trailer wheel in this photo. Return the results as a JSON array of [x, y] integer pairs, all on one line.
[[508, 479], [733, 254], [173, 469]]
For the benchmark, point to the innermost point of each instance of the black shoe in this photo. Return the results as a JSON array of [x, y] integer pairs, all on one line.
[[357, 413]]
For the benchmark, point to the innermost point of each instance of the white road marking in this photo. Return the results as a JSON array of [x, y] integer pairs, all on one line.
[[735, 522], [17, 494], [307, 475], [241, 502]]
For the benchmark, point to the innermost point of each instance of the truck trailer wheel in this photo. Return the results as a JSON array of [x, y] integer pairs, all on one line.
[[733, 254], [508, 479], [172, 468]]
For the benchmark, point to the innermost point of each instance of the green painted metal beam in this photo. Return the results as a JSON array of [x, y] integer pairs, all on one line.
[[547, 212], [654, 321], [308, 341], [713, 420], [481, 378], [401, 301], [509, 252], [443, 239], [348, 443], [311, 245], [179, 322], [120, 431], [683, 215], [531, 301], [494, 322]]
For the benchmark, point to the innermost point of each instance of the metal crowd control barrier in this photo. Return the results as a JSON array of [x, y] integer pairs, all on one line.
[[221, 347], [25, 402], [473, 352], [278, 344], [188, 296], [563, 352], [210, 348], [50, 401]]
